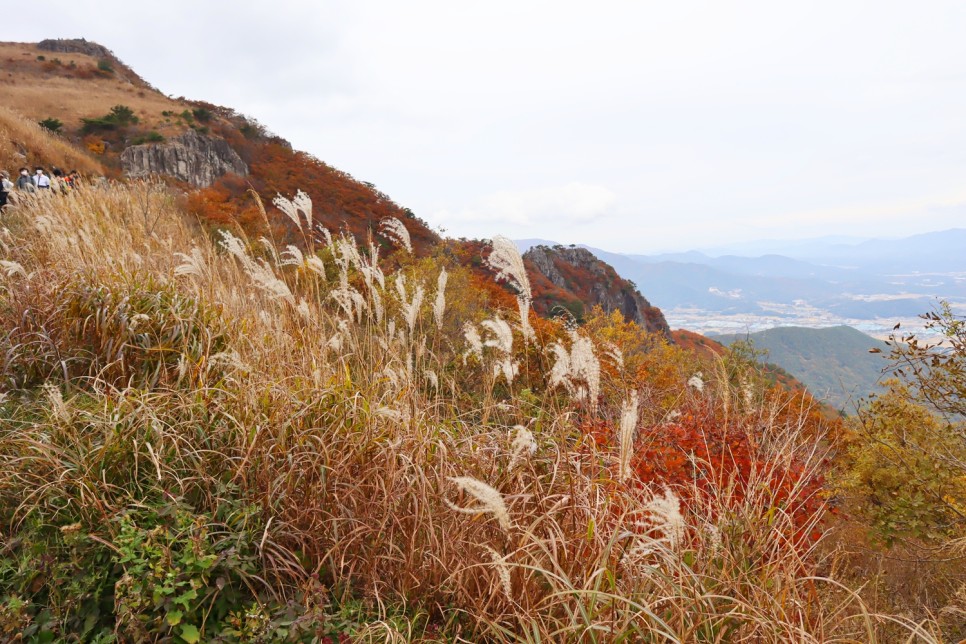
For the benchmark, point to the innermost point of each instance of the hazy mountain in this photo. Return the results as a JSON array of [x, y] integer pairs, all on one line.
[[834, 363], [869, 283]]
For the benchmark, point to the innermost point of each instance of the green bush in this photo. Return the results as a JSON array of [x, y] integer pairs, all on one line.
[[150, 137], [51, 124], [105, 65], [119, 116], [202, 114], [156, 571]]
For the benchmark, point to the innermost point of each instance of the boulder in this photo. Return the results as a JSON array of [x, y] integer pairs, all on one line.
[[74, 46]]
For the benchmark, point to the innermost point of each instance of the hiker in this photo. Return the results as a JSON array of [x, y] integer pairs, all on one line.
[[72, 179], [41, 180], [57, 184], [6, 185], [24, 182]]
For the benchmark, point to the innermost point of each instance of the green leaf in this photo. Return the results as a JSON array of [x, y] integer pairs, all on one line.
[[174, 617], [190, 634], [186, 597]]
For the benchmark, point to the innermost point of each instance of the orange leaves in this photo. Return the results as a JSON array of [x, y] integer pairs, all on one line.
[[721, 464], [340, 203], [95, 144]]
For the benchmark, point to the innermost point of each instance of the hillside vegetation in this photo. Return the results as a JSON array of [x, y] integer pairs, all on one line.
[[839, 365], [229, 439]]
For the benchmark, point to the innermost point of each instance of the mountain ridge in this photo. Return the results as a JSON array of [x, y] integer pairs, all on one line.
[[839, 365]]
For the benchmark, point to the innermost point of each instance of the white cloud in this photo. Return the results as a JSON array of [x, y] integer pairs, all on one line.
[[572, 203]]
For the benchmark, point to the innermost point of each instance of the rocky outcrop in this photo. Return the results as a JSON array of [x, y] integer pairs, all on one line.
[[74, 46], [576, 271], [192, 157]]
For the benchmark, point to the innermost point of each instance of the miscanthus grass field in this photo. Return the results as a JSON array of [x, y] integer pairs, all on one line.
[[206, 436]]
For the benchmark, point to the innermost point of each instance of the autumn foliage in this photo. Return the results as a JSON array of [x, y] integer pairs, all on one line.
[[340, 202]]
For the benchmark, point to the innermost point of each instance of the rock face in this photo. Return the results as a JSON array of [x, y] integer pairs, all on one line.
[[192, 157], [577, 272], [74, 46]]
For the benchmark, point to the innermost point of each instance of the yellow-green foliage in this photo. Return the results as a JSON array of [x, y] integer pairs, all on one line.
[[907, 467]]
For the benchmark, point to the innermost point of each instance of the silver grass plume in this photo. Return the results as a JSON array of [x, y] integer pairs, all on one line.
[[192, 264], [259, 271], [304, 310], [377, 307], [502, 571], [300, 204], [393, 229], [227, 359], [507, 368], [502, 340], [696, 382], [351, 302], [664, 516], [490, 500], [522, 445], [12, 268], [56, 402], [411, 309], [502, 335], [658, 531], [615, 354], [315, 264], [325, 234], [580, 363], [292, 256], [560, 372], [270, 247], [505, 259], [400, 284], [439, 306], [628, 428], [475, 342]]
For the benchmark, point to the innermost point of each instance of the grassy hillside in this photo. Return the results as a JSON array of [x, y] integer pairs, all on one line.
[[834, 363], [23, 143], [71, 86]]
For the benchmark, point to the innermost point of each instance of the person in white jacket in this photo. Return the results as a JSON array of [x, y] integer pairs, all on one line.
[[41, 180]]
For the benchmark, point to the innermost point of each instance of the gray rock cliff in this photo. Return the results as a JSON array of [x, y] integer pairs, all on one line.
[[192, 157], [74, 45], [594, 282]]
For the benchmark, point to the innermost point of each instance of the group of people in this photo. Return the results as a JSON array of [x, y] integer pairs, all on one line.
[[38, 182]]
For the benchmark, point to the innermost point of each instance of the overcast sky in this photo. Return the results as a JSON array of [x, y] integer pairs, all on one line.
[[630, 125]]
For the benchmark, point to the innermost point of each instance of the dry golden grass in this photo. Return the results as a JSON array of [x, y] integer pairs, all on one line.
[[23, 143], [38, 94]]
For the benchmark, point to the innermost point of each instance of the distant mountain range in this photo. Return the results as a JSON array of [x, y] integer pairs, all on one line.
[[835, 363], [869, 284]]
